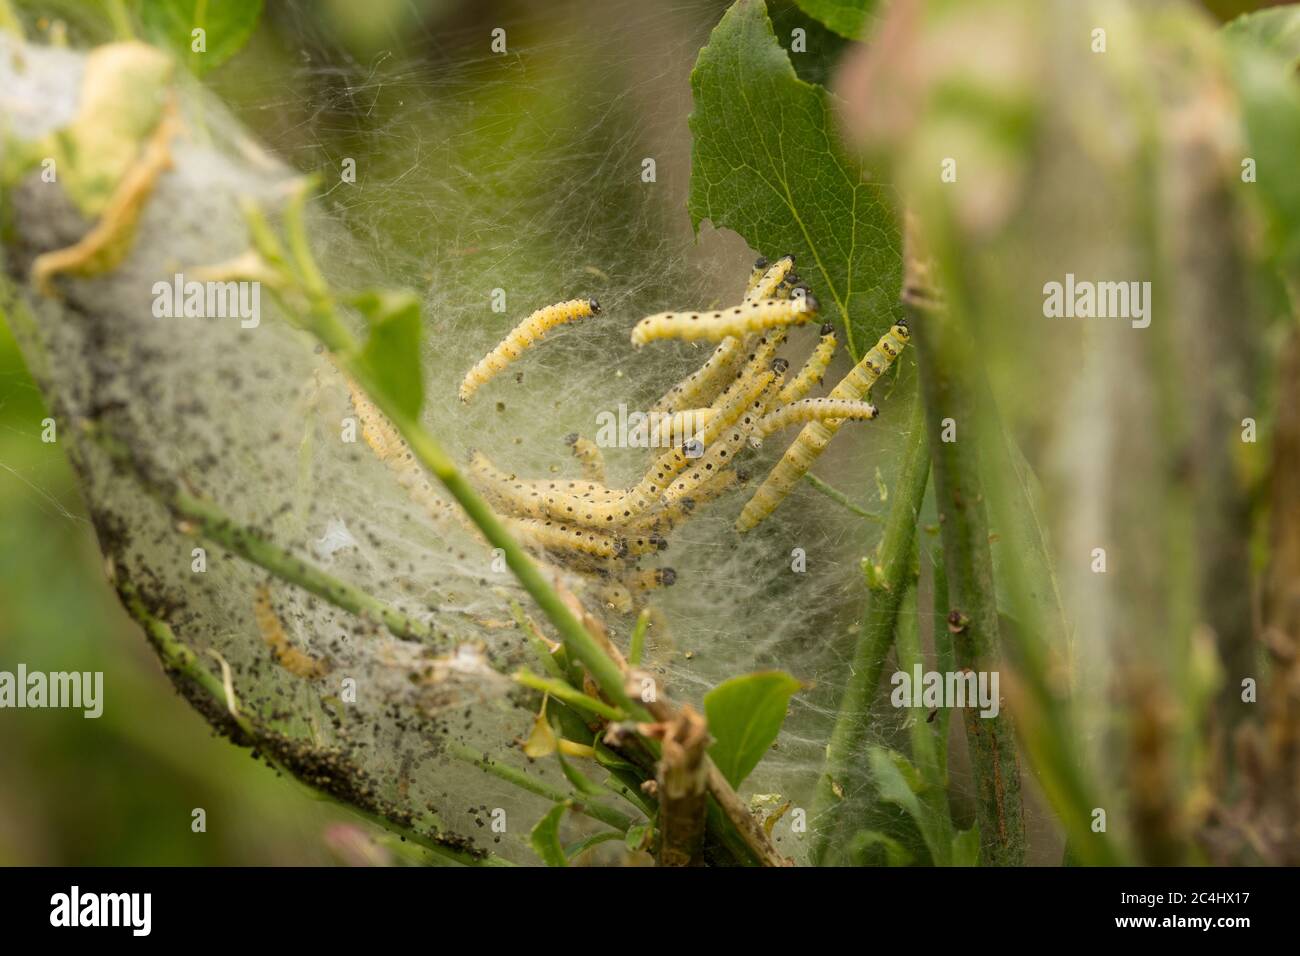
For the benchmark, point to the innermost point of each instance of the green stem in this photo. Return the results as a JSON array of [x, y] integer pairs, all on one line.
[[897, 548], [518, 778], [841, 498], [943, 654], [576, 698], [944, 356], [214, 525], [927, 745]]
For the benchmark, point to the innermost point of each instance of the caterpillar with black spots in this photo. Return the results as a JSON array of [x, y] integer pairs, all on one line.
[[523, 336], [590, 458], [751, 317], [812, 440], [814, 410], [810, 375]]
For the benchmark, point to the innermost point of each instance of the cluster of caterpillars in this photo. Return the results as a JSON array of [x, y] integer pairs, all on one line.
[[739, 396]]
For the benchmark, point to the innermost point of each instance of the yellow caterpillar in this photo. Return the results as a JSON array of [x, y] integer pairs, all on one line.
[[813, 369], [579, 502], [525, 334], [756, 316], [799, 457], [286, 655], [702, 385], [765, 279], [650, 579], [814, 410], [590, 458], [670, 464], [558, 536], [723, 451], [761, 358]]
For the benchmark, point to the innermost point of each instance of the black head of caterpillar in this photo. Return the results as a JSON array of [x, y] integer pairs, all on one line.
[[666, 576], [760, 262], [595, 306], [780, 365], [827, 329]]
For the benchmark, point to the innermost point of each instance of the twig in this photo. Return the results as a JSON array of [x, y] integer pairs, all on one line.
[[682, 789], [207, 520]]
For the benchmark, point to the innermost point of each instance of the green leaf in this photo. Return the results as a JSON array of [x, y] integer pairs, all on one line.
[[545, 837], [864, 840], [845, 17], [1263, 50], [1276, 29], [767, 162], [227, 25], [610, 760], [392, 352], [745, 715], [899, 783], [574, 850], [966, 847], [581, 782]]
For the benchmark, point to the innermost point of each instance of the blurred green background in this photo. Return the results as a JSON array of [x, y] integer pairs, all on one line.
[[120, 789]]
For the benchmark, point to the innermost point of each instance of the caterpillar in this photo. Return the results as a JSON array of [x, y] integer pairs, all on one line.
[[670, 464], [577, 502], [760, 360], [764, 285], [813, 369], [702, 385], [663, 520], [616, 597], [814, 409], [812, 440], [590, 458], [525, 334], [723, 451], [557, 536], [686, 424], [756, 316], [650, 579], [272, 630], [649, 543]]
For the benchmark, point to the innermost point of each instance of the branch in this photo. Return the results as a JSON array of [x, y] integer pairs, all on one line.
[[682, 789], [944, 357]]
